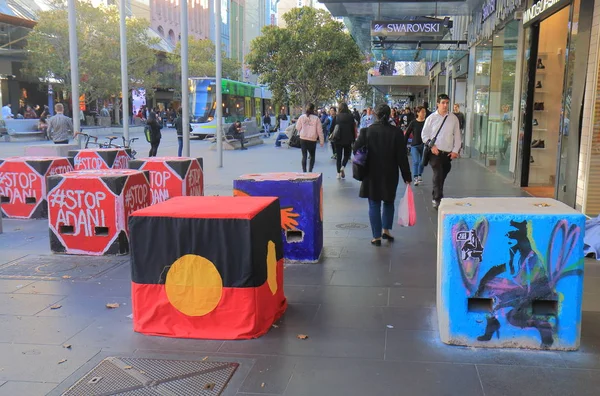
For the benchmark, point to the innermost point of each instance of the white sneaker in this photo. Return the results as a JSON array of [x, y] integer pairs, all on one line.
[[420, 179], [339, 175], [342, 173], [416, 181]]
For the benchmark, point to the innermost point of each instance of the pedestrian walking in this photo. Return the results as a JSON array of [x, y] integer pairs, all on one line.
[[60, 127], [415, 129], [346, 137], [155, 134], [386, 159], [367, 119], [179, 128], [332, 117], [442, 130], [310, 129]]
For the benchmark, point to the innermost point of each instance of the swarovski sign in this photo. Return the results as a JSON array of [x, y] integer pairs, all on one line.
[[406, 28], [541, 9]]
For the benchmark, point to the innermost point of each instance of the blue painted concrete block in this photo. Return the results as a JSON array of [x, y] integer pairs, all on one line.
[[301, 199], [510, 273]]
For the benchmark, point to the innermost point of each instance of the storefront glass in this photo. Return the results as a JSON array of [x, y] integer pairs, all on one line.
[[483, 59]]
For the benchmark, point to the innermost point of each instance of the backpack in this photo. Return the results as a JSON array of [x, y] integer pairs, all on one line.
[[294, 140], [148, 133]]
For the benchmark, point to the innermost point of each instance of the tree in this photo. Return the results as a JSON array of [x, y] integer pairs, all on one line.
[[98, 48], [201, 60], [310, 61]]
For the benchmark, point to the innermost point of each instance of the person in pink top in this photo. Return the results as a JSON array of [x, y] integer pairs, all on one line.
[[310, 129]]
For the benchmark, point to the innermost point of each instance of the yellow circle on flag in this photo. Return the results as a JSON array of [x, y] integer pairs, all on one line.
[[194, 285], [272, 267]]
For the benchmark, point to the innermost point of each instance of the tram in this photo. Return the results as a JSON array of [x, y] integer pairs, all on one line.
[[241, 102]]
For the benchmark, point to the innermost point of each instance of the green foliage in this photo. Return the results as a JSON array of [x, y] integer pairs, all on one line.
[[201, 60], [312, 60], [98, 48]]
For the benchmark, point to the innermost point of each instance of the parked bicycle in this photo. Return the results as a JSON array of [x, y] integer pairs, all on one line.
[[91, 139]]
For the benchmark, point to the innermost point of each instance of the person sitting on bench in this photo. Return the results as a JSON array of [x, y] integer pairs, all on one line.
[[235, 131]]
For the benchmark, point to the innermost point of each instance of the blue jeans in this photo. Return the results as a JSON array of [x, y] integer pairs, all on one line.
[[281, 136], [416, 152], [379, 220], [180, 149]]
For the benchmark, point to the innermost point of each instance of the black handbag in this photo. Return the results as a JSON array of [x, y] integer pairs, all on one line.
[[335, 135], [429, 144]]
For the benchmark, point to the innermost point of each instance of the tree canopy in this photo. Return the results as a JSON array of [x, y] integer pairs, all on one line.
[[201, 60], [98, 47], [312, 60]]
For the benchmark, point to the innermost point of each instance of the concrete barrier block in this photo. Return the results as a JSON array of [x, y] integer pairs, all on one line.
[[96, 159], [50, 150], [301, 198], [510, 273]]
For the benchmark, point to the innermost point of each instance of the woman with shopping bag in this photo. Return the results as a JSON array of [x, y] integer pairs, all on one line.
[[386, 158]]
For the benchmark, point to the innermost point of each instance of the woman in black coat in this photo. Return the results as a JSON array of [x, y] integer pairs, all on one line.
[[386, 156], [155, 134], [347, 134]]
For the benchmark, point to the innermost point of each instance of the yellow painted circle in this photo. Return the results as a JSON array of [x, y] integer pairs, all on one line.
[[272, 267], [194, 286]]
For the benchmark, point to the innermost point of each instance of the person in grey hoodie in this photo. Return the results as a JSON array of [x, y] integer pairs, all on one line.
[[310, 129]]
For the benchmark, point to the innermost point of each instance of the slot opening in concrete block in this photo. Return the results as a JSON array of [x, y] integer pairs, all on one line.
[[479, 304], [30, 200], [545, 307], [66, 229], [101, 231], [294, 236], [4, 199]]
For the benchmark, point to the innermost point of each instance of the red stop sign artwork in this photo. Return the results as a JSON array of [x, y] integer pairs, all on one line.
[[21, 189], [136, 195], [194, 180], [95, 159], [82, 214], [165, 182]]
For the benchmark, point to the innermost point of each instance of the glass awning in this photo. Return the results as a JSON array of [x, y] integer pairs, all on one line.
[[414, 55]]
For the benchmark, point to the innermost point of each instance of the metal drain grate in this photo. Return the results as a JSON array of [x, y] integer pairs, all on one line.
[[351, 226], [150, 377]]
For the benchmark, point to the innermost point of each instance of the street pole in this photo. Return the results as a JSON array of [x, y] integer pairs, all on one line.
[[218, 78], [185, 88], [73, 57], [124, 73]]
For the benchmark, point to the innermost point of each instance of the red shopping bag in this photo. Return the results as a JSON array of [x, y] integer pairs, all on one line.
[[407, 215]]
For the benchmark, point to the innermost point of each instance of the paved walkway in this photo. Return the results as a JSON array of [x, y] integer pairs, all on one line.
[[369, 312]]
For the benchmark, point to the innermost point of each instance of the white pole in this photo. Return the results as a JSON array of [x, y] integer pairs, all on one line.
[[124, 73], [185, 95], [73, 57], [218, 78]]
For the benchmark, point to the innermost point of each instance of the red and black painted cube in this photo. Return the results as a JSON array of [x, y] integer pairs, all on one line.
[[172, 176], [23, 185], [207, 267], [88, 210], [100, 158]]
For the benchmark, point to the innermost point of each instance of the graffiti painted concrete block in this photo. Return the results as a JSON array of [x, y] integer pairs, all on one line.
[[23, 185], [88, 210], [510, 273], [106, 158], [207, 267], [172, 176], [301, 198]]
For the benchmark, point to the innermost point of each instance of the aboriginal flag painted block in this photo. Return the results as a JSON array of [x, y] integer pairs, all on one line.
[[23, 185], [301, 198], [88, 210], [207, 267], [172, 176], [106, 158]]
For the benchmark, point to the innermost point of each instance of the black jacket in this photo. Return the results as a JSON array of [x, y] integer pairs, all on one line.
[[155, 128], [345, 121], [386, 156]]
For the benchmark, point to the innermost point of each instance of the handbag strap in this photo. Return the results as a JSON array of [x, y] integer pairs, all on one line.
[[439, 130]]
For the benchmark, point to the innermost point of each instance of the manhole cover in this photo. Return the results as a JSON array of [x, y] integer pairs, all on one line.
[[140, 376], [56, 266], [351, 226]]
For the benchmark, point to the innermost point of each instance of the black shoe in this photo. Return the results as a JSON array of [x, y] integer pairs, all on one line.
[[376, 242], [535, 122], [387, 236], [243, 148], [531, 161], [541, 106], [534, 143], [539, 84], [436, 204], [540, 65], [541, 144]]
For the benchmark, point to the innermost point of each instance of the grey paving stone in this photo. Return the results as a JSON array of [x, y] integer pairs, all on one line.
[[40, 363], [13, 388], [351, 377], [412, 297], [92, 307], [298, 315], [13, 285], [306, 274], [350, 317], [40, 330], [331, 342], [425, 346], [516, 381], [25, 304], [587, 357], [269, 375], [590, 324], [98, 287], [411, 318], [338, 295]]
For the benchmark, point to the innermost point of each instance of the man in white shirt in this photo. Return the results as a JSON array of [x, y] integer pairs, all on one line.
[[7, 112], [445, 147], [367, 119]]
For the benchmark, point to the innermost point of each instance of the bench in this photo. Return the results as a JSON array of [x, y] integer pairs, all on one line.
[[252, 137], [23, 130]]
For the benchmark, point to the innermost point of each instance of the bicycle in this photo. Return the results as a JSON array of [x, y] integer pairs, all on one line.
[[125, 146], [88, 138]]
